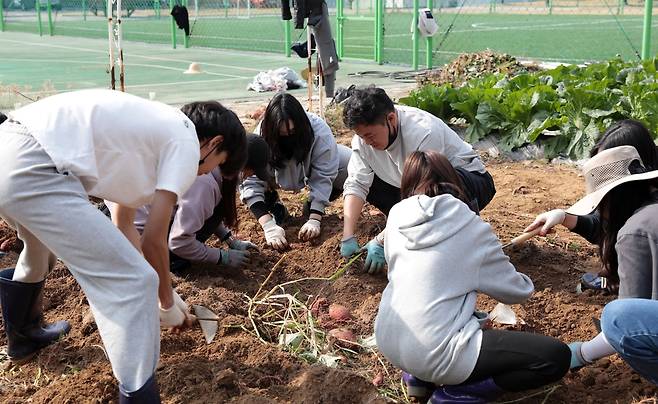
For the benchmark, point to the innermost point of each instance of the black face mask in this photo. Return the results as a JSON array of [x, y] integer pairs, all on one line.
[[391, 135], [207, 154], [287, 145]]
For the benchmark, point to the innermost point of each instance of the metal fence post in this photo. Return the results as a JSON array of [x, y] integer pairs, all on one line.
[[84, 10], [379, 31], [173, 24], [376, 30], [287, 27], [646, 32], [414, 37], [51, 28], [339, 27], [37, 7], [2, 16], [428, 41], [186, 39]]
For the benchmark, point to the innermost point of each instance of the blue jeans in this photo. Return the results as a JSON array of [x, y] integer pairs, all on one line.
[[631, 327]]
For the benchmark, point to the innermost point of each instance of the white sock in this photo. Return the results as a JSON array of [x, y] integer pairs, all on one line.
[[596, 348]]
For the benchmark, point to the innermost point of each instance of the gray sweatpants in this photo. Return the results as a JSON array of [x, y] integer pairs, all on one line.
[[326, 50], [53, 216]]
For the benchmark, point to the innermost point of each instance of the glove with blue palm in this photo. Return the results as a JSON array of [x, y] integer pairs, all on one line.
[[349, 247], [375, 259]]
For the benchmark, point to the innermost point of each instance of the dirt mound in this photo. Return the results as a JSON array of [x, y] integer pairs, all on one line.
[[238, 368], [472, 65], [8, 239]]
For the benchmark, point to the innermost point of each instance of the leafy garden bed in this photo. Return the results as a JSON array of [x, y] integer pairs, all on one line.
[[567, 107]]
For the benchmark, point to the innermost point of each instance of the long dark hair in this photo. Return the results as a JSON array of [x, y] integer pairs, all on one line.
[[621, 202], [284, 108], [430, 173], [211, 119], [228, 204], [629, 133], [616, 208]]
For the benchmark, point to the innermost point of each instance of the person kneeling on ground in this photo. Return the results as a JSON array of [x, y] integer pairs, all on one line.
[[55, 154], [626, 196], [630, 327], [385, 135], [622, 133], [303, 152], [208, 207], [426, 324]]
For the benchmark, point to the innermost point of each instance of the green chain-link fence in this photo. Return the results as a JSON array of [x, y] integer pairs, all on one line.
[[548, 30], [380, 30]]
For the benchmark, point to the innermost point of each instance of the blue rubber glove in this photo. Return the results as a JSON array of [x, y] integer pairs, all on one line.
[[349, 247], [375, 260], [577, 360]]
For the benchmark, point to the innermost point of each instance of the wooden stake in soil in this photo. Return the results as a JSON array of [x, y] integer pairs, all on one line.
[[309, 76], [320, 86]]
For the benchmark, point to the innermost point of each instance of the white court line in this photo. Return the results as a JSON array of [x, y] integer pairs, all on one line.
[[541, 27], [232, 52], [138, 56], [168, 35], [182, 82], [543, 58], [149, 66]]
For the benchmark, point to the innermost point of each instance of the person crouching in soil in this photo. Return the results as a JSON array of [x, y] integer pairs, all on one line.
[[440, 254], [111, 145], [623, 133], [626, 196], [385, 135], [208, 207], [303, 152]]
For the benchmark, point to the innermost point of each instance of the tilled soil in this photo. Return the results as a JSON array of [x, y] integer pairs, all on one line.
[[238, 368]]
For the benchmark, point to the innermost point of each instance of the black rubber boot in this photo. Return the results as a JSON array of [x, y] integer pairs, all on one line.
[[149, 393], [23, 318]]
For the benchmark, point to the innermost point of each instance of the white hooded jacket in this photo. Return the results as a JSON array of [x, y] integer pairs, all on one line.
[[440, 254]]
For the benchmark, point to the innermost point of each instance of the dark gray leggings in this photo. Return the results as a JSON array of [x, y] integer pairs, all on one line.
[[520, 360]]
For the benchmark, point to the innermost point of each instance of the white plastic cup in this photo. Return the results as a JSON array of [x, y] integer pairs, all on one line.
[[151, 95]]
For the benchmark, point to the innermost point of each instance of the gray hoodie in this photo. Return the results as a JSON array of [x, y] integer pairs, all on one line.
[[318, 170], [440, 254]]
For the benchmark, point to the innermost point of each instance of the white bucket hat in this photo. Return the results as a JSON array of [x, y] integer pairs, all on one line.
[[605, 171]]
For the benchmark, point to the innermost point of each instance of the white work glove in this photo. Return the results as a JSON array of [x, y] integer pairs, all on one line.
[[236, 244], [275, 236], [175, 315], [547, 221], [310, 230]]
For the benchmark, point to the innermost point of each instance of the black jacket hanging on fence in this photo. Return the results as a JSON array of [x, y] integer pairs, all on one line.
[[182, 18], [303, 9]]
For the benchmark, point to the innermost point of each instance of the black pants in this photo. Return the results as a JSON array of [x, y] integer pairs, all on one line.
[[479, 188], [519, 360], [177, 264]]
